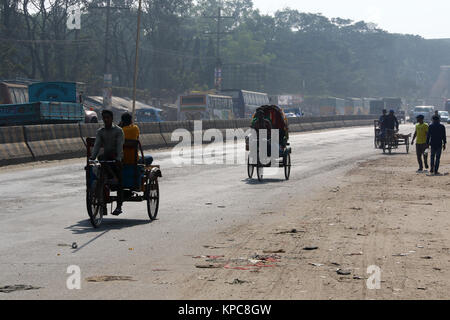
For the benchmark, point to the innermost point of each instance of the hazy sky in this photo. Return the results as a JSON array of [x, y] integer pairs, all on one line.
[[427, 18]]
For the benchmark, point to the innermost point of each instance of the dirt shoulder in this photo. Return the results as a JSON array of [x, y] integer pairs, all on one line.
[[380, 213]]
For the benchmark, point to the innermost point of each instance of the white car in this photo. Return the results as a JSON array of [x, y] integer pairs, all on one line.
[[444, 116]]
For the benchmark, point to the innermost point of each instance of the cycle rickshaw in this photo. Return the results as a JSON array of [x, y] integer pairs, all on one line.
[[278, 121], [390, 140], [139, 182]]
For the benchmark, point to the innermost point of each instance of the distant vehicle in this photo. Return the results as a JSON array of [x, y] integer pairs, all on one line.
[[245, 102], [447, 105], [331, 106], [353, 106], [426, 111], [148, 115], [90, 116], [393, 104], [205, 107], [49, 110], [401, 116], [293, 112], [445, 118], [13, 93], [377, 107]]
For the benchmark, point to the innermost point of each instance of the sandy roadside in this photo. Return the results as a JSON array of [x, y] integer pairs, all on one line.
[[380, 213]]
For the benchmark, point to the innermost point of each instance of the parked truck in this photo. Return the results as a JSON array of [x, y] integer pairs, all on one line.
[[49, 102]]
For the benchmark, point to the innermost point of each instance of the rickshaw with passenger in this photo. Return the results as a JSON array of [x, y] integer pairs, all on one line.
[[139, 182], [269, 117]]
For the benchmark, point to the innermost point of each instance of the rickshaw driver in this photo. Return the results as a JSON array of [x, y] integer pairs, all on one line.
[[111, 138], [391, 121]]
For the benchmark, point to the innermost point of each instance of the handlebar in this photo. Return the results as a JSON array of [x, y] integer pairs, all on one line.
[[101, 161]]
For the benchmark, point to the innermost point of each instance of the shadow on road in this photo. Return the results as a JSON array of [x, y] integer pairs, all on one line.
[[85, 226], [264, 181]]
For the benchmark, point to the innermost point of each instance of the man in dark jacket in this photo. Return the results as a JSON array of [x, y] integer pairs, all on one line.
[[437, 140], [391, 121]]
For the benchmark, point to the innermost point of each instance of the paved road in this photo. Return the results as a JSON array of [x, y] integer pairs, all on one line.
[[43, 209]]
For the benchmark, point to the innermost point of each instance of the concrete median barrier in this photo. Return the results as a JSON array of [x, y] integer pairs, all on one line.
[[89, 130], [223, 125], [294, 125], [150, 135], [13, 148], [55, 141], [168, 127]]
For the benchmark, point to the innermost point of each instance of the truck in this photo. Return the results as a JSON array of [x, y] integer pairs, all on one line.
[[48, 103], [377, 107]]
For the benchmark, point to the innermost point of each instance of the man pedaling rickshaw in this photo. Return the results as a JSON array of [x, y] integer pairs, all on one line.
[[271, 119], [111, 138], [388, 122]]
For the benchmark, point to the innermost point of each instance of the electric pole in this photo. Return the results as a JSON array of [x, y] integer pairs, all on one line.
[[218, 33], [136, 60], [107, 76]]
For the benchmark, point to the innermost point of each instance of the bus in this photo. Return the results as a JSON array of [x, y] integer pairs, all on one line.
[[245, 102], [205, 107]]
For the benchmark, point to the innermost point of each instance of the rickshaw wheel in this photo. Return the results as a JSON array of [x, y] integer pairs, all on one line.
[[250, 168], [152, 197], [287, 166], [95, 207], [259, 172]]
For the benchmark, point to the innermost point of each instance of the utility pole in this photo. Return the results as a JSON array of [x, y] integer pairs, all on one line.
[[218, 33], [136, 61], [107, 76]]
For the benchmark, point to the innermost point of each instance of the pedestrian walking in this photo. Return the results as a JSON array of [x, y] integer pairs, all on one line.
[[437, 140], [421, 144]]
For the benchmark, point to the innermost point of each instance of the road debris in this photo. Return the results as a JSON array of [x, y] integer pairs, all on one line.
[[213, 247], [343, 272], [335, 264], [74, 245], [18, 287], [160, 270], [274, 251], [401, 254], [310, 248], [317, 264], [63, 245], [427, 257], [355, 254], [293, 231], [208, 266], [237, 281], [109, 278], [208, 257], [356, 208]]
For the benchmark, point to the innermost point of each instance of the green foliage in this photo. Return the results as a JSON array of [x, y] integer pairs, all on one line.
[[288, 52]]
